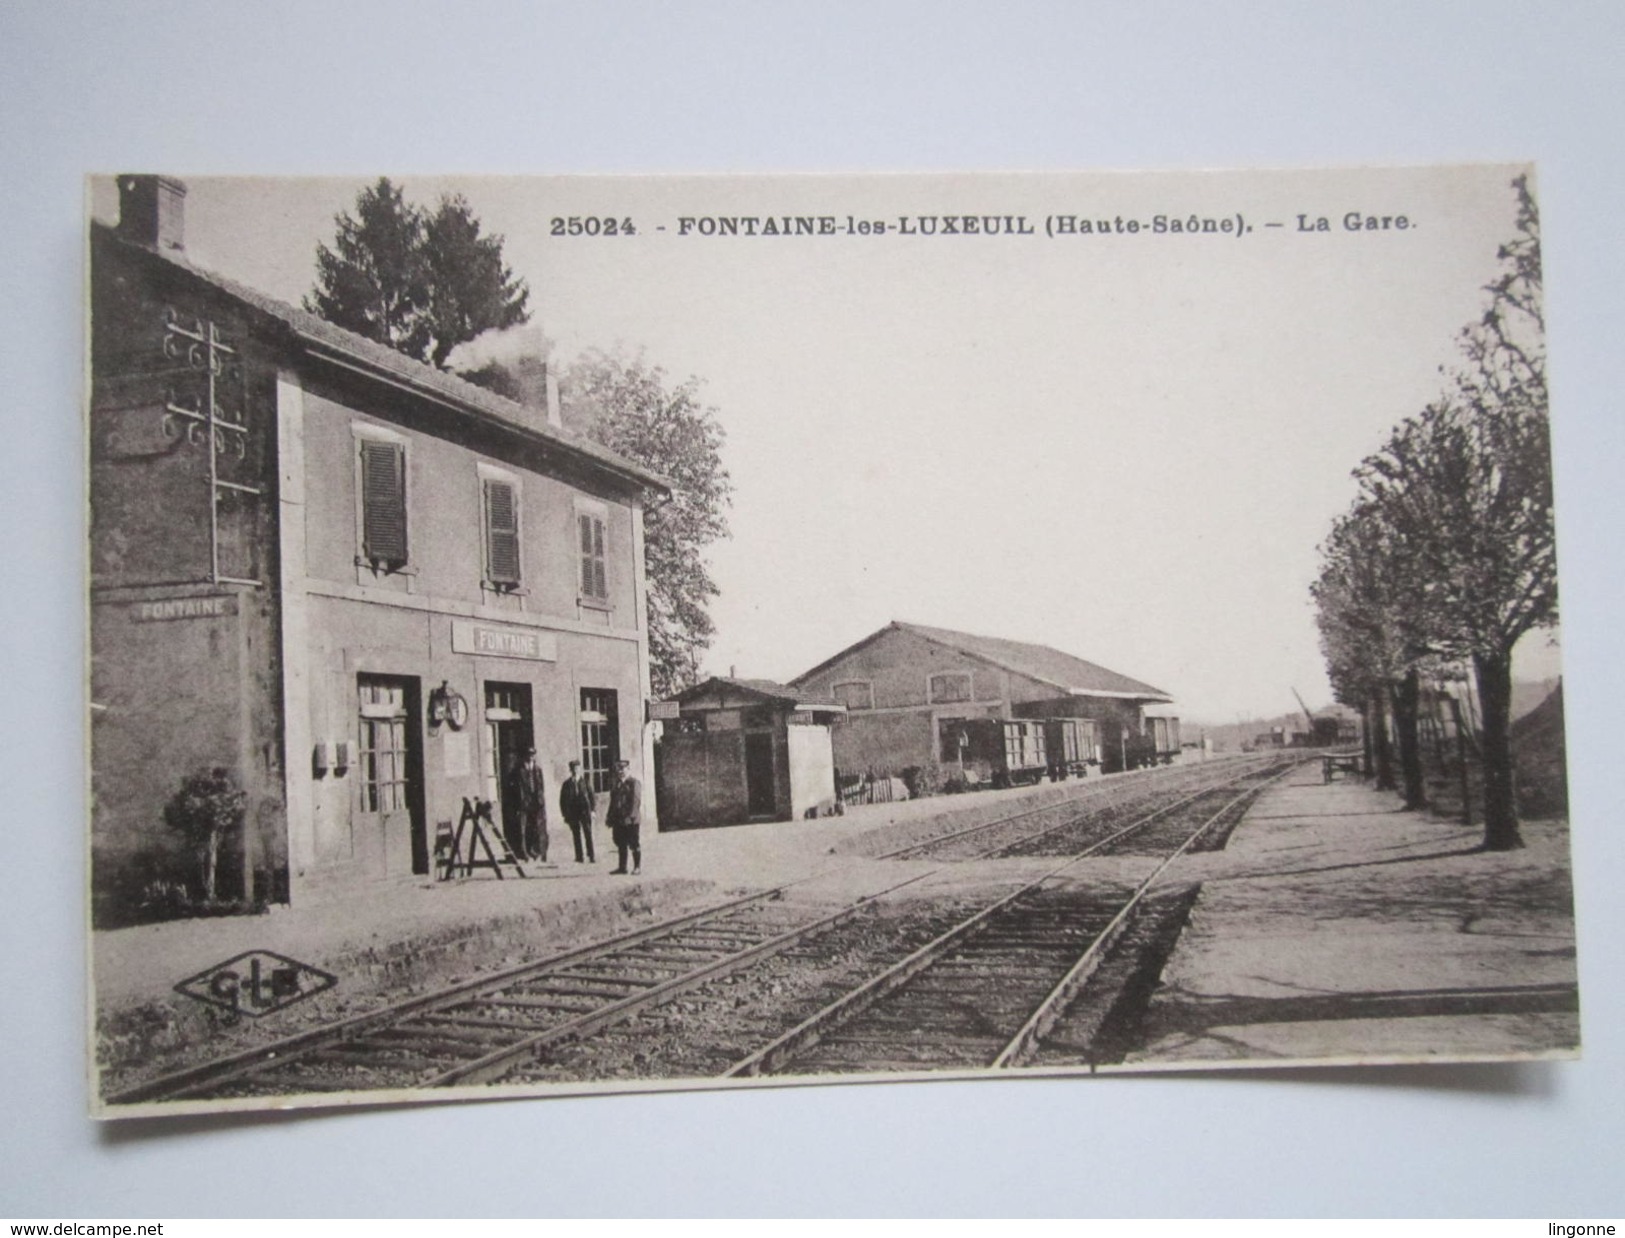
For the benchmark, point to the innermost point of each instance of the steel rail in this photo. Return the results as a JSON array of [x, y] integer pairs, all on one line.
[[1092, 791], [495, 1063], [1216, 785], [290, 1050], [178, 1084], [1049, 1011], [808, 1032]]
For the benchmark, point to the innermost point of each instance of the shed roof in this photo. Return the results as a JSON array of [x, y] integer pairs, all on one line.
[[764, 688], [356, 352], [1062, 671]]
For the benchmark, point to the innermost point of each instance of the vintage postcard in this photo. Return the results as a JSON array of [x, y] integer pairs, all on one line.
[[582, 634]]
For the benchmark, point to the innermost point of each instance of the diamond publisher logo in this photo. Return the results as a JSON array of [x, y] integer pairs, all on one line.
[[256, 983]]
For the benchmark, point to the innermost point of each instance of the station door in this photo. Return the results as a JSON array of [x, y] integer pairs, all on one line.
[[509, 733], [391, 833]]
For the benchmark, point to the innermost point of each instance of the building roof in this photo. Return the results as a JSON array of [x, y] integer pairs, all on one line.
[[765, 688], [356, 352], [1070, 675]]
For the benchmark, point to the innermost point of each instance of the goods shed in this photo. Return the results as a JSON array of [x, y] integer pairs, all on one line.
[[986, 709]]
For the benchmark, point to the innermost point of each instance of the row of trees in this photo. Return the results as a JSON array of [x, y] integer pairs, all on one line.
[[1446, 558], [424, 282]]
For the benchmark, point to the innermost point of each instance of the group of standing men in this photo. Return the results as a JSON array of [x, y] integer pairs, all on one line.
[[577, 803]]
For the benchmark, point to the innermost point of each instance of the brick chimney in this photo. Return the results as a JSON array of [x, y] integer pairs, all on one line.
[[152, 211], [538, 388]]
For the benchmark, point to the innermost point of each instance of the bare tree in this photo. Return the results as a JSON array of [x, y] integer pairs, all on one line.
[[1465, 490], [1359, 608]]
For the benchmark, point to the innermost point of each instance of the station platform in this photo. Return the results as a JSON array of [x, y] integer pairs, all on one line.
[[390, 940], [1334, 918]]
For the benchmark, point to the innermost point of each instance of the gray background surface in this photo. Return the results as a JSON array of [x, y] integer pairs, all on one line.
[[510, 87]]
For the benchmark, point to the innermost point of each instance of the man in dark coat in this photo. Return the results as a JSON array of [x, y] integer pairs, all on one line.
[[576, 805], [532, 789], [626, 816]]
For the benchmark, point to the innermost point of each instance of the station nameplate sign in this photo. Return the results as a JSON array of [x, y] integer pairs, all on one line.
[[493, 641], [210, 607], [664, 711]]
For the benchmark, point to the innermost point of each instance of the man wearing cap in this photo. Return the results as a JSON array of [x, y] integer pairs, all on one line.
[[532, 787], [576, 805], [625, 816]]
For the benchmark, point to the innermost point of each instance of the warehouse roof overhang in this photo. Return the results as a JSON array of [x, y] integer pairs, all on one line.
[[1068, 675], [754, 691]]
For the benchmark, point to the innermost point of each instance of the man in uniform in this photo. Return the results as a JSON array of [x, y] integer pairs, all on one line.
[[532, 788], [576, 805], [626, 816]]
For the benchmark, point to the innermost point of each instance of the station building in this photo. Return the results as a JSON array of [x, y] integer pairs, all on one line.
[[994, 709], [745, 750], [359, 585]]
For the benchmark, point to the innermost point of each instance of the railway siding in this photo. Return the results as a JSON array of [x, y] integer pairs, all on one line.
[[486, 1028]]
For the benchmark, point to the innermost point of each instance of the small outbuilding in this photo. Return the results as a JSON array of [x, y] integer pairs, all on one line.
[[745, 750]]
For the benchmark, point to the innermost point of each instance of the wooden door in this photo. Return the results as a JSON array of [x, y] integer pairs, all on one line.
[[761, 789], [391, 836]]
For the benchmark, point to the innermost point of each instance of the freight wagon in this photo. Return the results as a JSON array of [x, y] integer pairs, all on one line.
[[1008, 751]]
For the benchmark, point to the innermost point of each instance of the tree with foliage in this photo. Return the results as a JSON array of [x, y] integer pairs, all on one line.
[[205, 812], [632, 408], [416, 281], [471, 290], [1462, 495]]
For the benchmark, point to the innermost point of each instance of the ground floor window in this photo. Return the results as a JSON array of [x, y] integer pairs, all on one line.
[[383, 750], [600, 737]]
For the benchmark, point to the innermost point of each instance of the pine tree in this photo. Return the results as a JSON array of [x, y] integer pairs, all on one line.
[[375, 279], [419, 282], [471, 290]]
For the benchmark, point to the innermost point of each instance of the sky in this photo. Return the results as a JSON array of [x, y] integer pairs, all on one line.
[[1124, 445]]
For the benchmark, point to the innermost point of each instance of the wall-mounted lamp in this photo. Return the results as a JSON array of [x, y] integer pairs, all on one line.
[[447, 706]]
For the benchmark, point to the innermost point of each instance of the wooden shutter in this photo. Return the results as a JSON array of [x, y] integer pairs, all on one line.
[[599, 583], [502, 532], [594, 582], [383, 502]]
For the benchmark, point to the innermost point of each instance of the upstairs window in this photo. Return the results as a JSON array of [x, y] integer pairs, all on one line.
[[383, 503], [594, 571], [855, 694], [950, 687], [502, 567]]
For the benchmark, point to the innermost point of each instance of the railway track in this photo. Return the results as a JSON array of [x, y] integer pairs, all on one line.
[[1053, 829], [474, 1031], [985, 992], [480, 1030]]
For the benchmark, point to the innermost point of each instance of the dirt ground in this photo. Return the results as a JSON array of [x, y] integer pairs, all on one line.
[[1338, 928]]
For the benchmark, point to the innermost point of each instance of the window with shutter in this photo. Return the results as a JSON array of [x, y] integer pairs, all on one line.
[[594, 576], [383, 502], [501, 532]]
